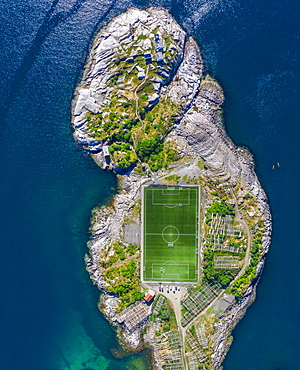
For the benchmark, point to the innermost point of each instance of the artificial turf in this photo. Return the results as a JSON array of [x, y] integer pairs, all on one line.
[[170, 235]]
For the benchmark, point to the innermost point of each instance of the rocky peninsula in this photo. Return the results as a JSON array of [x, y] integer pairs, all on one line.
[[146, 109]]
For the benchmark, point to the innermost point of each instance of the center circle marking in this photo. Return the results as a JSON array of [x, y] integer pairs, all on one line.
[[170, 234]]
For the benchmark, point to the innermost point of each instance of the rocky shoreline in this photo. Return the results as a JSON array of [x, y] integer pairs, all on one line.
[[197, 135]]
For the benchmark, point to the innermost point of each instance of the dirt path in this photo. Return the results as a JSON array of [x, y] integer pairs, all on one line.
[[175, 299], [142, 123], [177, 310]]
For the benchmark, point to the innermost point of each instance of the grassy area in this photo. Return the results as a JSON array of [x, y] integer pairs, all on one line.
[[172, 179], [120, 265], [170, 234], [190, 180]]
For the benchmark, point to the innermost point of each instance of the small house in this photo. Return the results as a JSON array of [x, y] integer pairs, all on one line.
[[149, 296]]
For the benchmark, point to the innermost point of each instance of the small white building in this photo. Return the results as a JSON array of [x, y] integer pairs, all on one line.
[[105, 150]]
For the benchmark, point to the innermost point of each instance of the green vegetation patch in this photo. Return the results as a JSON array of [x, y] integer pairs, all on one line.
[[170, 251], [239, 287], [172, 179], [121, 272], [220, 208], [212, 275], [132, 115], [167, 317]]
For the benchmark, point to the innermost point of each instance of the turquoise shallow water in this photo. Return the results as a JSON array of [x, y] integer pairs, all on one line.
[[48, 314]]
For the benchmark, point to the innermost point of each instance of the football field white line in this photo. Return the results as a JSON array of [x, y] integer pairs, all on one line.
[[169, 276], [174, 204], [171, 190], [161, 234]]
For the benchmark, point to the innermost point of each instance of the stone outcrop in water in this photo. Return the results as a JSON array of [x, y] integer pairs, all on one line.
[[198, 136]]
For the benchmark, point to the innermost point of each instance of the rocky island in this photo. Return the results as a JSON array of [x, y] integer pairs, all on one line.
[[146, 109]]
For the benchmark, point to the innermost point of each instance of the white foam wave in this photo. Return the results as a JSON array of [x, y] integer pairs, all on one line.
[[196, 11]]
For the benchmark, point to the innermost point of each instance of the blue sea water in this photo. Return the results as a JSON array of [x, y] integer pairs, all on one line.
[[48, 185]]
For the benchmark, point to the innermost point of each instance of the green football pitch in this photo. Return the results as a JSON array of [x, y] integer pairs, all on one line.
[[170, 235]]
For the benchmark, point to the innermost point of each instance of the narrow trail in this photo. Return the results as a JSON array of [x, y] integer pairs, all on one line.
[[182, 338], [137, 104], [177, 311]]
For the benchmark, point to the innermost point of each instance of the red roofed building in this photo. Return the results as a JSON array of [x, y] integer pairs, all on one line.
[[149, 296]]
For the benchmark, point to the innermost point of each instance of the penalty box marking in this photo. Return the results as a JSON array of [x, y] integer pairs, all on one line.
[[171, 204], [171, 277], [164, 266], [170, 191]]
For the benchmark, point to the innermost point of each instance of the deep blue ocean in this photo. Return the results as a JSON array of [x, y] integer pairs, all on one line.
[[48, 186]]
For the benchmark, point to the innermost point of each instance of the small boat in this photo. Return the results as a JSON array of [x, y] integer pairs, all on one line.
[[273, 167], [278, 164]]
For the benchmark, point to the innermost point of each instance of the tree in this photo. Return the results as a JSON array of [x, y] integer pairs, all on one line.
[[225, 279], [220, 208], [146, 147]]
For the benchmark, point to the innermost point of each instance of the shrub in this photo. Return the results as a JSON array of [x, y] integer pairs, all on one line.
[[112, 116]]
